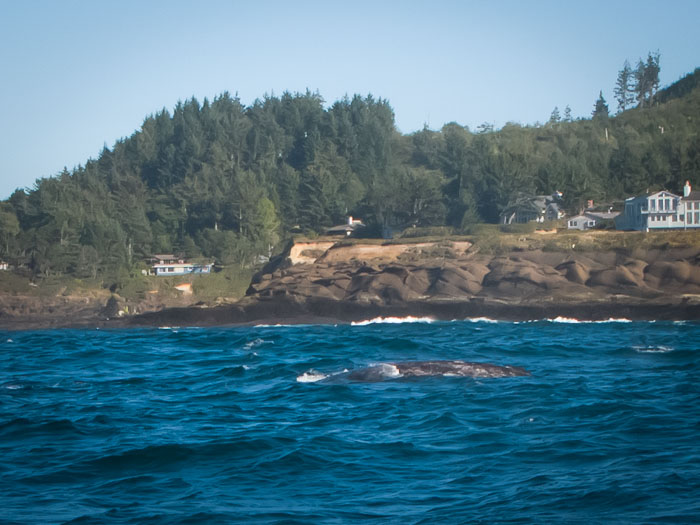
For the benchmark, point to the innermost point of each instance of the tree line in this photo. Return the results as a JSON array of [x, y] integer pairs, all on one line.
[[223, 181]]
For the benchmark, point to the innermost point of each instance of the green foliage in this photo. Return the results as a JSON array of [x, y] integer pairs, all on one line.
[[528, 227], [222, 182]]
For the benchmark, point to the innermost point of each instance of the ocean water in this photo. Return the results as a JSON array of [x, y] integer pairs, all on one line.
[[265, 425]]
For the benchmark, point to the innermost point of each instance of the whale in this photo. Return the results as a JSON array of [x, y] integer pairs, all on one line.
[[443, 368]]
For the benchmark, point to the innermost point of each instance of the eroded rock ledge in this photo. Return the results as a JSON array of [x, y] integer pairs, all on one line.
[[397, 274], [322, 282], [329, 282]]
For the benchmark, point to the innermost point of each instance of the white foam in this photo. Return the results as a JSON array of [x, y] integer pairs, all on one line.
[[393, 320], [481, 320], [256, 342], [653, 349], [312, 376], [579, 321]]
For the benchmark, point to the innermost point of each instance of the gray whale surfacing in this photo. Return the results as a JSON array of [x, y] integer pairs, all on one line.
[[454, 368]]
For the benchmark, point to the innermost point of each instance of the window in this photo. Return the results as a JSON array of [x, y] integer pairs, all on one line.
[[697, 217], [689, 218], [653, 204]]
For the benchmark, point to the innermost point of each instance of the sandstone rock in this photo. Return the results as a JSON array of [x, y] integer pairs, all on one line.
[[575, 272], [614, 278]]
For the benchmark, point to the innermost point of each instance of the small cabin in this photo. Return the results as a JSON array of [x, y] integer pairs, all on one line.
[[350, 227], [170, 265]]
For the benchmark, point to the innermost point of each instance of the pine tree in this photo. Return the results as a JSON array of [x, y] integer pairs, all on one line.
[[646, 77], [567, 114], [624, 88], [601, 108], [554, 117]]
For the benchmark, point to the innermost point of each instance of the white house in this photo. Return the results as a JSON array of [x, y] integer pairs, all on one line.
[[351, 226], [581, 222], [590, 219], [171, 265], [662, 210], [691, 206]]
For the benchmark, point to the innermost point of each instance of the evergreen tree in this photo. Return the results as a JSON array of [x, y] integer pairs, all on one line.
[[567, 114], [600, 109], [554, 117], [646, 77], [624, 87]]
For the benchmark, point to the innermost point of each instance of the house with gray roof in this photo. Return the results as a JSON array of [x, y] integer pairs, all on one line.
[[527, 208], [661, 210], [590, 219]]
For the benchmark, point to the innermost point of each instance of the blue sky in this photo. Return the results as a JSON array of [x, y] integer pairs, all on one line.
[[79, 74]]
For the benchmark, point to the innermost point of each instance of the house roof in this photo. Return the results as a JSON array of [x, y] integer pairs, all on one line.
[[648, 194], [602, 214], [692, 196], [346, 227]]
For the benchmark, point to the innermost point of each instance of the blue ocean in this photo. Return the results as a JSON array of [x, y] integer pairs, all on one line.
[[266, 424]]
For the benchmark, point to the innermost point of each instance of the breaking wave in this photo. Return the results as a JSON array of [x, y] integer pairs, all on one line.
[[393, 320]]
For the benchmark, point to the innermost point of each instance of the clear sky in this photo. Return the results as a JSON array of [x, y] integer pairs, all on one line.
[[78, 74]]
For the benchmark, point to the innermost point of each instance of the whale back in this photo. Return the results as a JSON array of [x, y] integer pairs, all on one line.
[[453, 368]]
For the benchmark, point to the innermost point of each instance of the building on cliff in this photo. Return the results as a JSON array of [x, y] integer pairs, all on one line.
[[348, 229], [590, 219], [171, 265], [528, 208], [662, 210]]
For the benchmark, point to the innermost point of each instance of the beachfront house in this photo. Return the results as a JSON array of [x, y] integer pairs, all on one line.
[[691, 206], [527, 208], [590, 219], [171, 265], [581, 222], [348, 229], [661, 210]]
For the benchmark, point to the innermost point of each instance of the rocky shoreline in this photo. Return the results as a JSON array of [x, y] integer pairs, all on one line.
[[327, 282]]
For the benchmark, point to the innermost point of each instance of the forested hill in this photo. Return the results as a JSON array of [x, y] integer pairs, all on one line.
[[223, 181]]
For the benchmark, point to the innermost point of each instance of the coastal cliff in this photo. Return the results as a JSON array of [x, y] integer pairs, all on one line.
[[326, 281]]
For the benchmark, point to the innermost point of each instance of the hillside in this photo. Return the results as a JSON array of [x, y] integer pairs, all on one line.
[[219, 181]]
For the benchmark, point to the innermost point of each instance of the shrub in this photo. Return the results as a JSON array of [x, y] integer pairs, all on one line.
[[428, 231], [528, 227]]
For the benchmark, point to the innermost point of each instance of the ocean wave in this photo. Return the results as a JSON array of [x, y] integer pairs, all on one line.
[[279, 325], [257, 342], [311, 376], [653, 349], [571, 320], [393, 320], [314, 376], [481, 320]]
